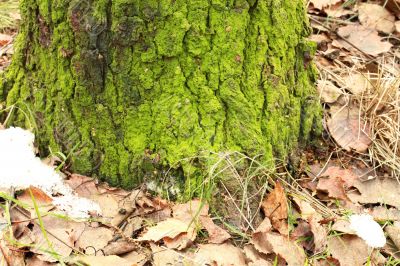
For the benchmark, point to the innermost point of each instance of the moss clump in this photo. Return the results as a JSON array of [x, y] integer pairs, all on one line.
[[128, 82]]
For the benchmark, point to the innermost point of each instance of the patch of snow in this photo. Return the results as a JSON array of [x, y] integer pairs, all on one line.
[[367, 229], [20, 169]]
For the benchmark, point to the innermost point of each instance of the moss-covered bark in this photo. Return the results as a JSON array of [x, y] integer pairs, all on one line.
[[129, 84]]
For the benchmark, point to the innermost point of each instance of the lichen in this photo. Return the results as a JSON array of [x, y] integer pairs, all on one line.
[[131, 88]]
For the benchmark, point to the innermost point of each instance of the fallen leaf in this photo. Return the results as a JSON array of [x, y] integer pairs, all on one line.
[[329, 261], [338, 10], [365, 39], [163, 257], [275, 206], [384, 191], [343, 226], [320, 4], [397, 26], [109, 205], [35, 261], [40, 198], [319, 232], [181, 241], [393, 232], [352, 250], [376, 17], [216, 235], [306, 210], [119, 247], [138, 258], [175, 233], [61, 233], [101, 260], [93, 239], [349, 130], [190, 211], [5, 39], [83, 186], [258, 238], [357, 83], [328, 92], [393, 6], [282, 246], [302, 234], [334, 186], [9, 256], [254, 257], [382, 213], [224, 255]]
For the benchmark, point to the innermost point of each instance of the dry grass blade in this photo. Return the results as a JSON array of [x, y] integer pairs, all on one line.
[[8, 9], [382, 108]]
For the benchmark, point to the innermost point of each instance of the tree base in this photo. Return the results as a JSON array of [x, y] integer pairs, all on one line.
[[129, 89]]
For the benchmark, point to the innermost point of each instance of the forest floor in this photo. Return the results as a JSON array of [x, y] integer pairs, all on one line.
[[340, 206]]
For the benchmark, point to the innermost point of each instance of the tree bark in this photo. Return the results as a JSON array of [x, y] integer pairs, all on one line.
[[126, 87]]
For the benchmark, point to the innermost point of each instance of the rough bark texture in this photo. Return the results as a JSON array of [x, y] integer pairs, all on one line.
[[127, 86]]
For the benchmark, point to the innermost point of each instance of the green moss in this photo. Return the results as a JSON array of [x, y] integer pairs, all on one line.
[[138, 86]]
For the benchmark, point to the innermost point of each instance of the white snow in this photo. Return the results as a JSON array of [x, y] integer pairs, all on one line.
[[20, 168], [369, 230]]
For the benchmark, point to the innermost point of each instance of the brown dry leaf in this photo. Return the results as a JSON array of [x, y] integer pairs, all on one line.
[[216, 235], [221, 255], [367, 40], [5, 39], [93, 239], [109, 205], [9, 256], [348, 176], [43, 201], [382, 214], [19, 222], [167, 257], [384, 191], [138, 258], [334, 186], [352, 250], [302, 235], [328, 92], [338, 11], [119, 247], [357, 83], [306, 210], [343, 226], [275, 206], [393, 6], [282, 246], [35, 261], [254, 257], [190, 211], [60, 232], [102, 260], [180, 242], [393, 232], [83, 186], [319, 232], [259, 240], [397, 26], [349, 130], [318, 38], [180, 231], [320, 4], [175, 233], [376, 17]]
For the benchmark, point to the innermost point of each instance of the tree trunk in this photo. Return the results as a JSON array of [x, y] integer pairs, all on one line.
[[126, 87]]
